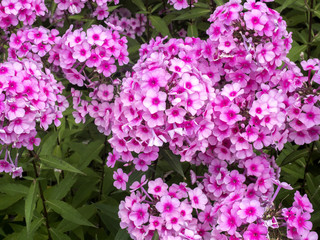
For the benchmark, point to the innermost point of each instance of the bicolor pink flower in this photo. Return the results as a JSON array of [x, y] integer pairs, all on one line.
[[155, 101], [256, 232], [250, 210], [121, 179], [198, 198]]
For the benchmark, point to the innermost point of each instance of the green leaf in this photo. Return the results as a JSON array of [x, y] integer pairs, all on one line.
[[156, 7], [139, 4], [219, 2], [68, 212], [194, 13], [174, 161], [7, 200], [155, 236], [160, 25], [57, 235], [88, 24], [58, 163], [13, 189], [295, 52], [192, 30], [294, 156], [122, 234], [48, 143], [30, 203], [112, 8], [60, 190], [86, 211], [285, 4], [87, 152]]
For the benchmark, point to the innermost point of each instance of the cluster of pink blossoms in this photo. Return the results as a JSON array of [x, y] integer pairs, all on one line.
[[75, 6], [217, 94], [181, 4], [32, 43], [130, 26], [27, 96], [26, 11], [97, 49], [226, 204], [214, 102]]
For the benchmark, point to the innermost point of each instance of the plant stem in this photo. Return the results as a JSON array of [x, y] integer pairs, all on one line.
[[310, 29], [310, 37], [45, 212], [148, 23], [306, 168]]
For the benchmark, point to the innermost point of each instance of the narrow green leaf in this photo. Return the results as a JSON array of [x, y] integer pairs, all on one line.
[[160, 25], [68, 212], [219, 2], [294, 156], [57, 235], [174, 161], [58, 163], [13, 189], [156, 7], [194, 13], [30, 203], [155, 236], [192, 30], [86, 211], [139, 4], [112, 8]]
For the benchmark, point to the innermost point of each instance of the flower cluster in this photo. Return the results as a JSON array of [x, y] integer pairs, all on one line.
[[216, 103], [221, 93], [167, 210], [181, 4], [130, 26], [297, 218], [32, 43], [75, 6], [28, 95], [228, 203], [96, 49], [26, 11]]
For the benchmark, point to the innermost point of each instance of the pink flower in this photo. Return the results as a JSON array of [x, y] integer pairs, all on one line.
[[198, 198], [232, 91], [139, 214], [82, 52], [250, 210], [168, 206], [229, 221], [255, 19], [155, 101], [256, 232], [5, 166], [302, 202], [301, 222], [96, 35], [121, 179], [157, 187], [230, 115]]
